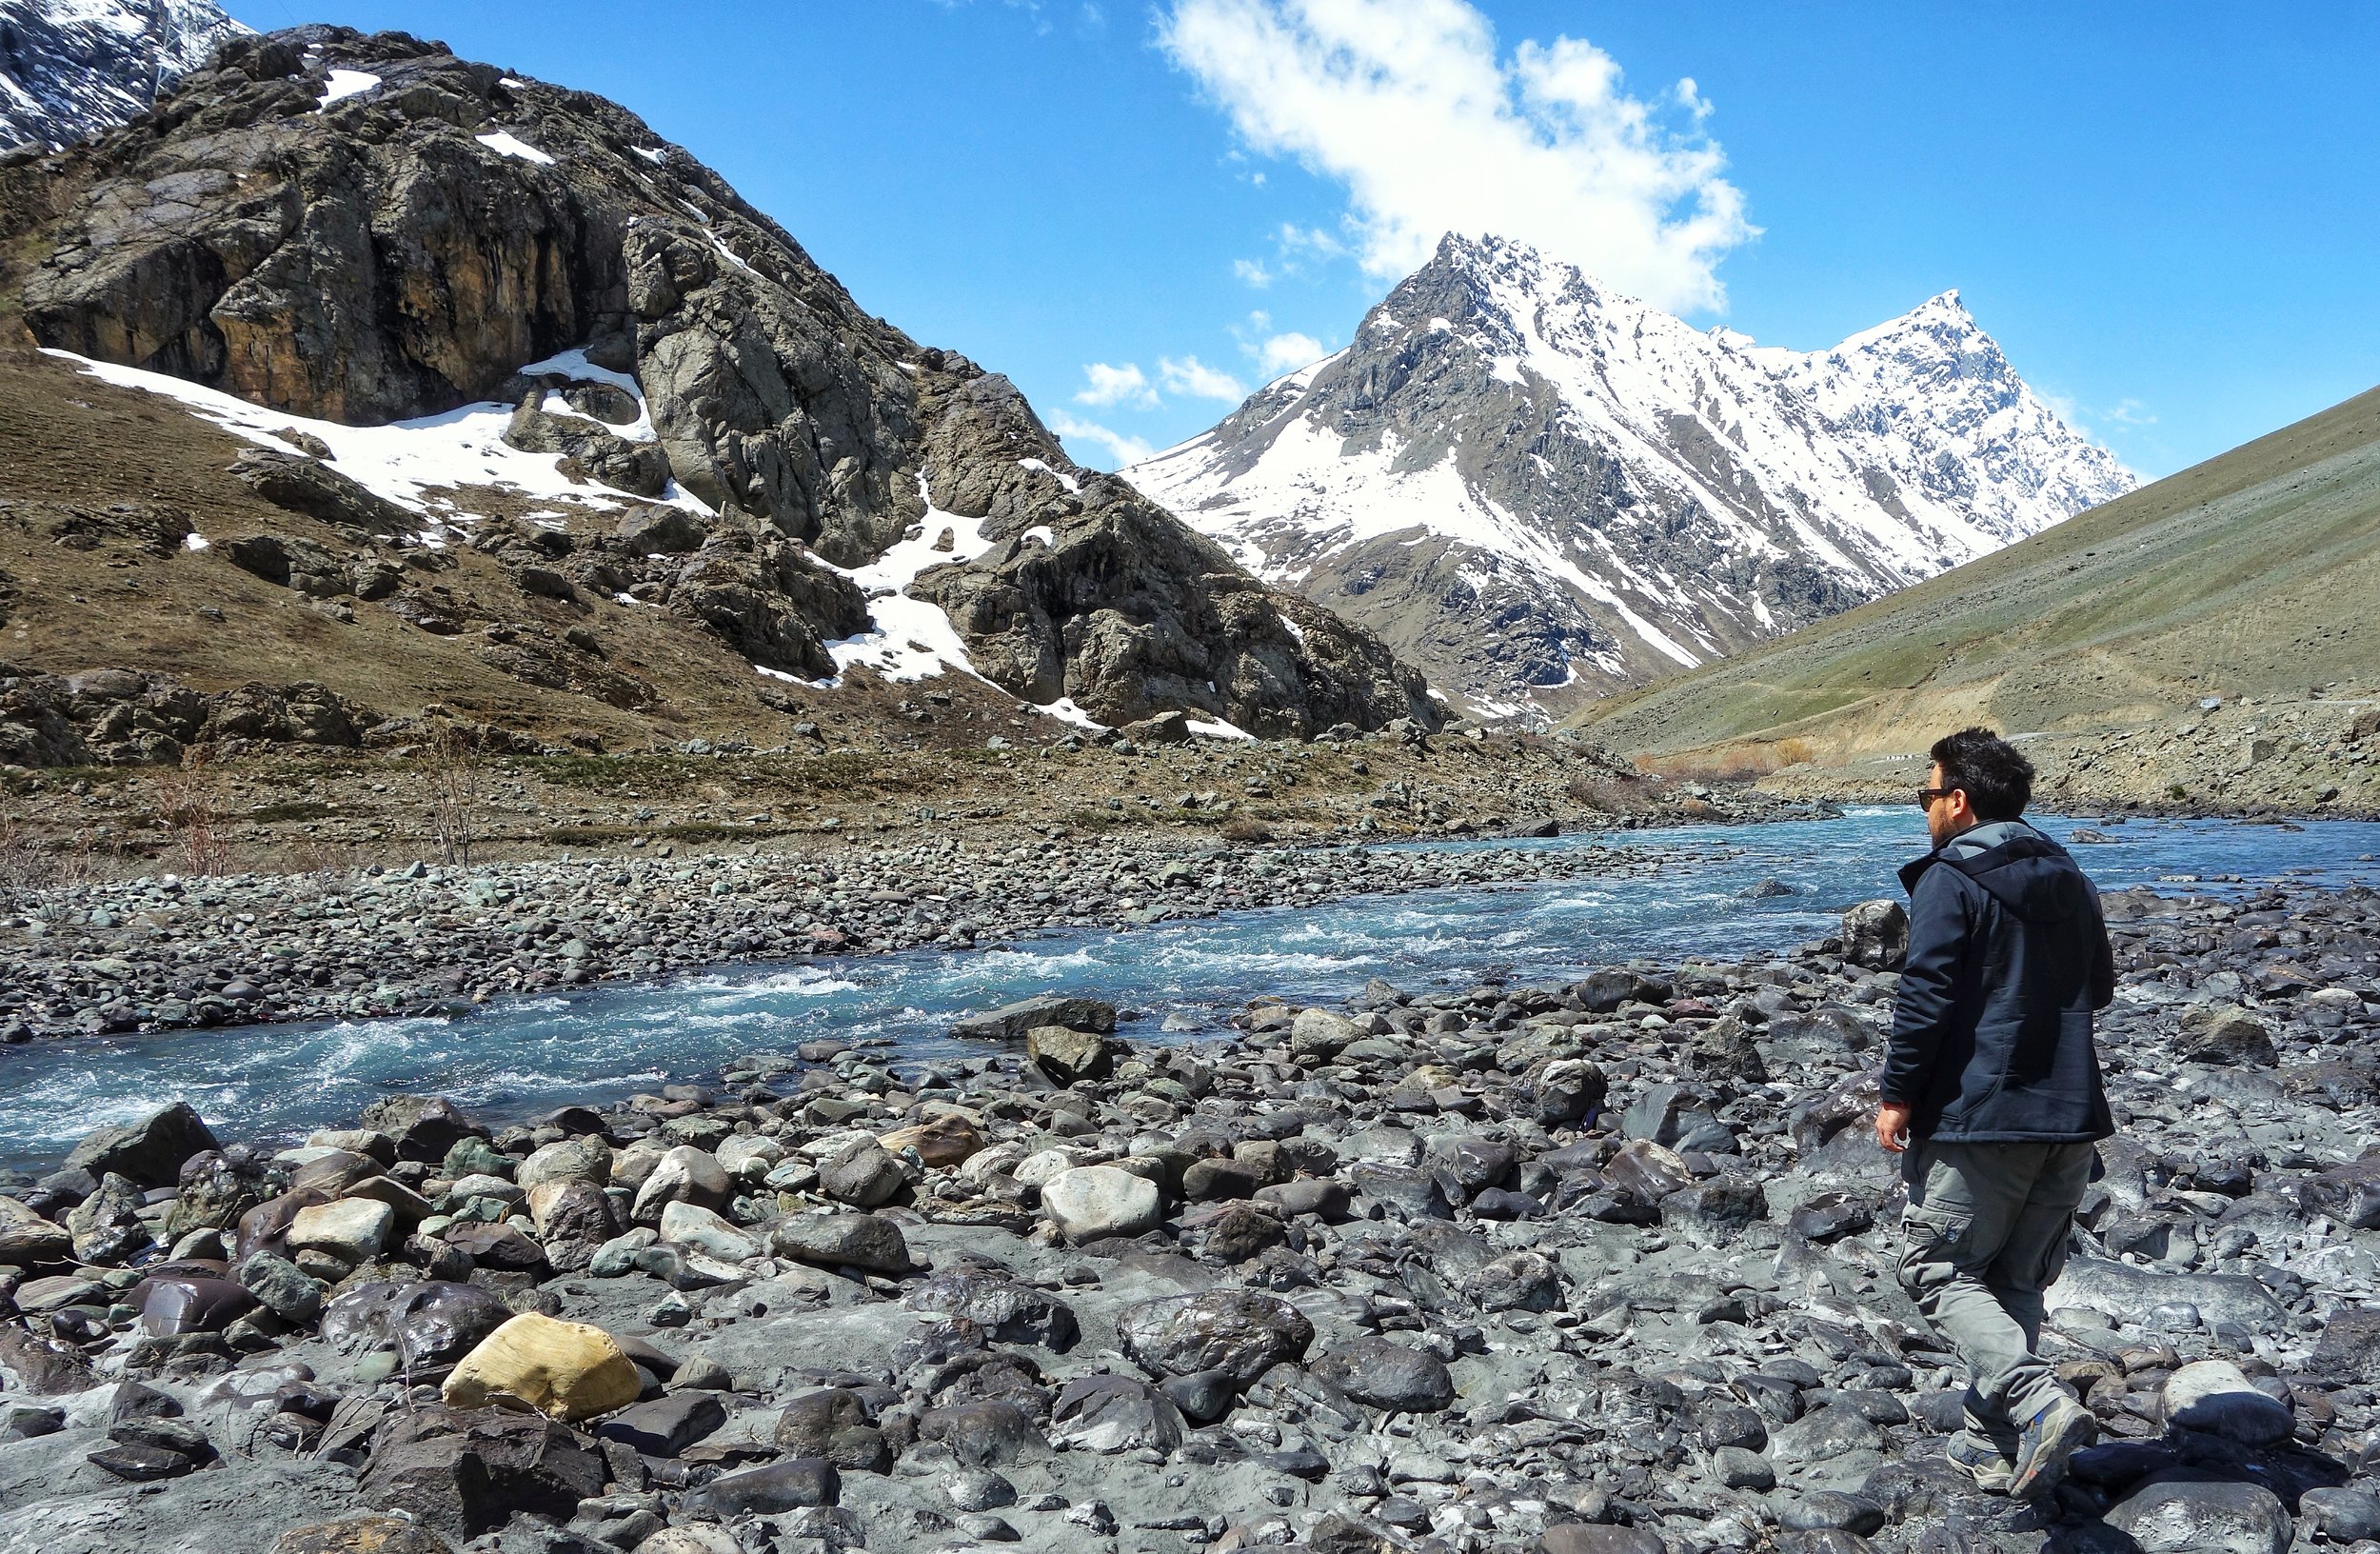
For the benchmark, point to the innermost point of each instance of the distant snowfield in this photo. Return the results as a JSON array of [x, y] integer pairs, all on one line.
[[1904, 451]]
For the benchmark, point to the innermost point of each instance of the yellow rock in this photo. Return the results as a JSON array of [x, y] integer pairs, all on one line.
[[939, 1141], [565, 1369]]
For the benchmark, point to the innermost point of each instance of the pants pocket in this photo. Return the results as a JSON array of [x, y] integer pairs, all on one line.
[[2054, 1255], [1933, 1242]]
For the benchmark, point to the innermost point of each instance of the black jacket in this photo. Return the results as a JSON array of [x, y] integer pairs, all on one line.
[[2007, 957]]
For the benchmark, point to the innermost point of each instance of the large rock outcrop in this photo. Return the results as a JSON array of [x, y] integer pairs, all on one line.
[[128, 717], [366, 230], [1096, 593]]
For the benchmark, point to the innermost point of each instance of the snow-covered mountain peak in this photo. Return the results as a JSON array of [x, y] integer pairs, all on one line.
[[73, 68], [1543, 488]]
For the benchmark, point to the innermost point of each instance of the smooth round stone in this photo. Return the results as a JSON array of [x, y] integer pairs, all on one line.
[[2174, 1317], [2341, 1515], [978, 1490], [2217, 1518], [1739, 1470], [2215, 1396], [988, 1529], [1830, 1508]]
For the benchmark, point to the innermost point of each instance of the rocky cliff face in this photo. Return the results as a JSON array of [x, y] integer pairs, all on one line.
[[364, 230], [73, 68], [1540, 491]]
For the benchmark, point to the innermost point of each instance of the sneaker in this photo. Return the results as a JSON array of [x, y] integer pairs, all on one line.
[[2055, 1433], [1983, 1462]]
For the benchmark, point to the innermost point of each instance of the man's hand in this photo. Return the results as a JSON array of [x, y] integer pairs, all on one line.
[[1892, 1127]]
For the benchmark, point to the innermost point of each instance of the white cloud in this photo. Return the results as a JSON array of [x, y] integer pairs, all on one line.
[[1253, 273], [1409, 105], [1123, 447], [1126, 384], [1195, 378], [1288, 352], [2122, 416], [1297, 240]]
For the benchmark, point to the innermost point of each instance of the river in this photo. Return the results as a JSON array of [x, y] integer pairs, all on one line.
[[602, 1042]]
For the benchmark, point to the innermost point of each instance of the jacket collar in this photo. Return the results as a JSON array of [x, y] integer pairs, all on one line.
[[1980, 846]]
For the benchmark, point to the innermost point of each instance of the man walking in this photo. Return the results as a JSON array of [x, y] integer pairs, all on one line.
[[1992, 1088]]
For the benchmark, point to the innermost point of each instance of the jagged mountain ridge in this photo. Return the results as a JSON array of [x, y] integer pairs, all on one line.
[[70, 68], [1541, 490], [366, 231], [2105, 645]]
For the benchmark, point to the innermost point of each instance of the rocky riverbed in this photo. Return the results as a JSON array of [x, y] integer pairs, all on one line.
[[159, 952], [1602, 1269]]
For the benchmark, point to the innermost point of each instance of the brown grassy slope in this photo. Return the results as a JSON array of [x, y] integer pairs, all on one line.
[[72, 444], [2254, 573]]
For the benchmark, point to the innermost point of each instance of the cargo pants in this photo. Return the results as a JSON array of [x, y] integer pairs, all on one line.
[[1985, 1233]]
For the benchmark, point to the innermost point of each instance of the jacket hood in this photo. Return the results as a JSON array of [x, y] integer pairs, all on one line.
[[2024, 870]]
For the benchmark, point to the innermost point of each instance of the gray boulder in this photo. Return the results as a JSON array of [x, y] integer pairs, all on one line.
[[1235, 1333], [1012, 1021], [1875, 935], [151, 1151], [2209, 1518], [1388, 1375], [2228, 1036], [862, 1240]]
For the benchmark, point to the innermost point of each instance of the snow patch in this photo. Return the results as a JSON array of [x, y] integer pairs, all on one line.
[[194, 541], [729, 255], [504, 143], [913, 639], [574, 364], [342, 85], [1074, 487], [1065, 710], [1217, 729], [651, 154], [405, 461]]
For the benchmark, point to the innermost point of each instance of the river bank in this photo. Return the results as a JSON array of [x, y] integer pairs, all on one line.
[[1603, 1266], [162, 953]]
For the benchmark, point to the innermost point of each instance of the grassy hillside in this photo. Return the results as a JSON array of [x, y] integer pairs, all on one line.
[[2250, 577]]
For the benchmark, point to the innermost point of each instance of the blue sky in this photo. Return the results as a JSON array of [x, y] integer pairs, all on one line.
[[2167, 214]]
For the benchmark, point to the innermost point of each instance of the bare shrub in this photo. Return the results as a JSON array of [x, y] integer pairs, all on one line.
[[185, 804], [1612, 792], [316, 855], [1246, 829], [29, 865], [1746, 762], [453, 772]]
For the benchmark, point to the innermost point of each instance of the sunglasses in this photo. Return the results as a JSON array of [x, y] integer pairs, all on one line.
[[1927, 795]]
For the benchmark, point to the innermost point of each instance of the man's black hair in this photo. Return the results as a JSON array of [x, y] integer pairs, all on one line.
[[1997, 778]]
